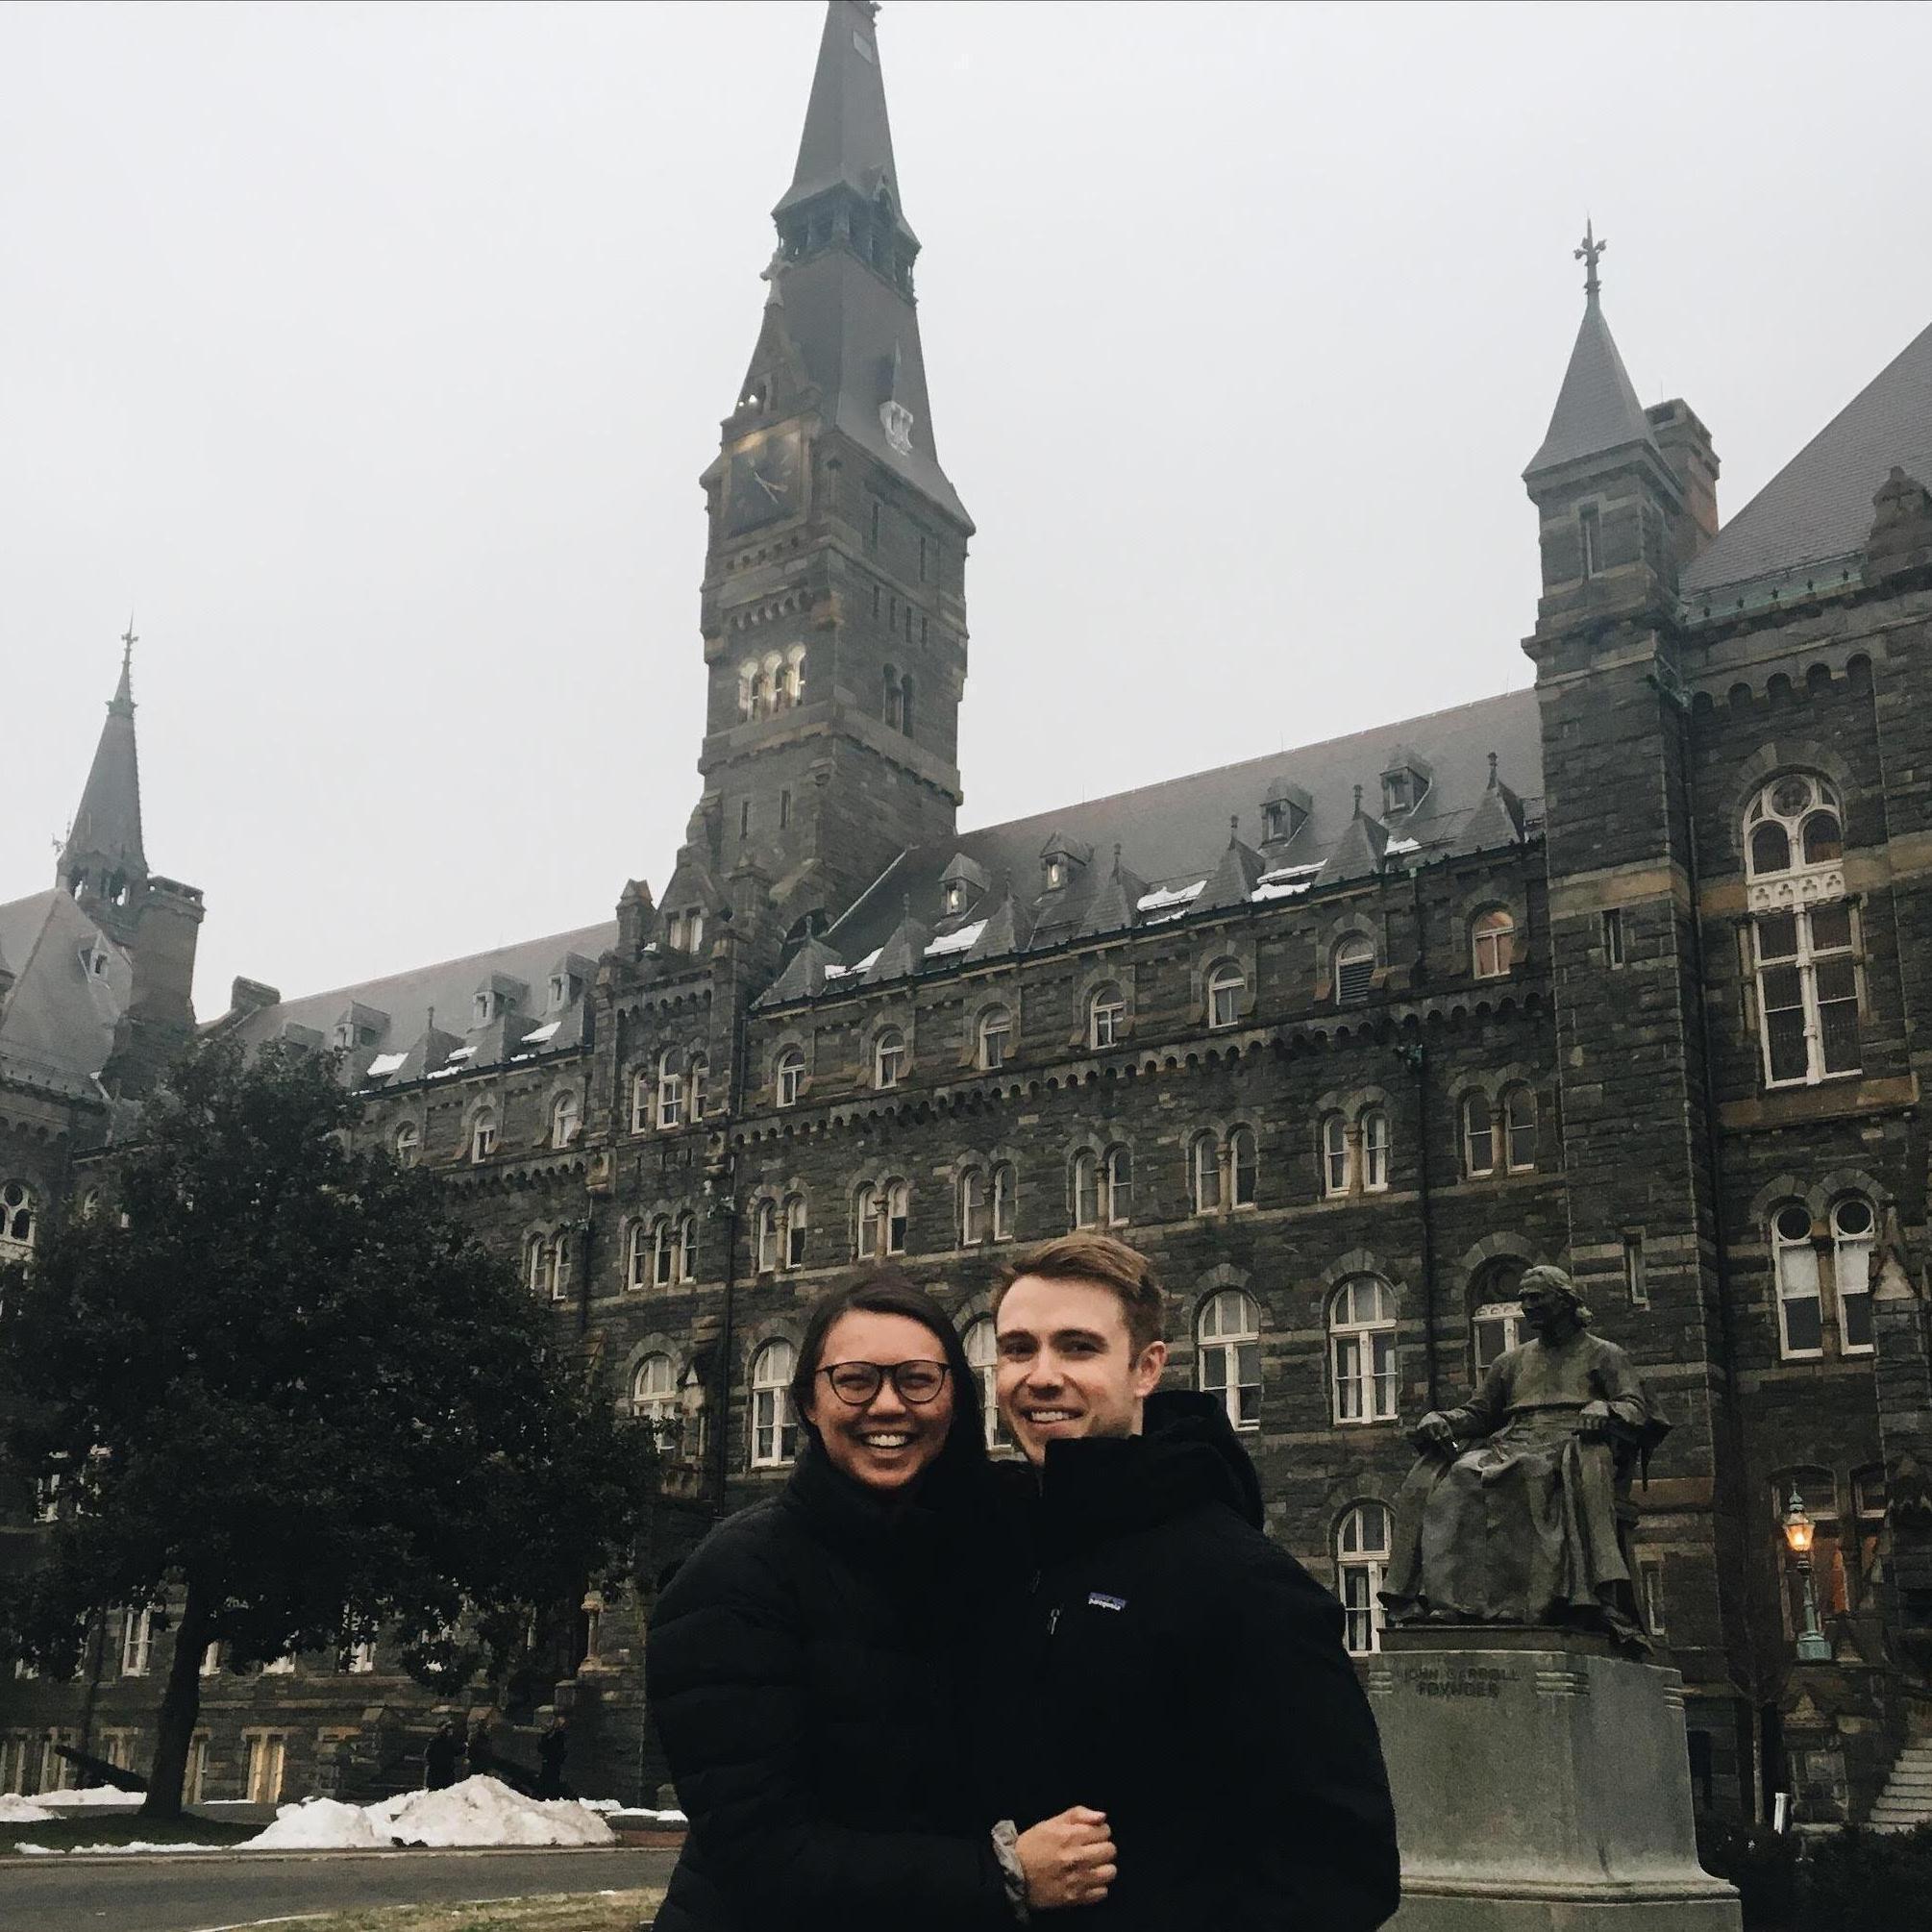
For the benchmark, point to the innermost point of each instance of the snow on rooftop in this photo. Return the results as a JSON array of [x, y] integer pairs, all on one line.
[[385, 1064], [955, 942], [1267, 888], [461, 1053], [864, 965], [547, 1031], [1166, 897], [1398, 848]]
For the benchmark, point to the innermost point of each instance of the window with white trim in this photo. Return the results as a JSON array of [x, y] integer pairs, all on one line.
[[1518, 1126], [791, 1076], [654, 1398], [541, 1266], [565, 1115], [641, 1101], [884, 1215], [1086, 1178], [1800, 1288], [1853, 1231], [1802, 936], [137, 1638], [996, 1038], [1362, 1350], [663, 1251], [637, 1256], [1203, 1166], [1243, 1165], [1117, 1186], [889, 1058], [482, 1134], [17, 1220], [1335, 1161], [1106, 1016], [1355, 969], [1362, 1544], [1373, 1128], [975, 1206], [1227, 984], [695, 1087], [1005, 1200], [774, 1429], [670, 1090], [406, 1142], [1478, 1135], [1227, 1354], [1492, 936], [767, 1237], [687, 1247], [982, 1356], [793, 1224]]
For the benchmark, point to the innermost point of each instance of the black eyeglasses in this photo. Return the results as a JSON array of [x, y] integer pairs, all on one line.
[[856, 1383]]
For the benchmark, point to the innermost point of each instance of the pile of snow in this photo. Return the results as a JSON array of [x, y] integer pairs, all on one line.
[[100, 1794], [95, 1851], [478, 1811], [18, 1809], [641, 1814]]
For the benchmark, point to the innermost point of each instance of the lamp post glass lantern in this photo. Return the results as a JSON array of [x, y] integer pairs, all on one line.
[[1813, 1646]]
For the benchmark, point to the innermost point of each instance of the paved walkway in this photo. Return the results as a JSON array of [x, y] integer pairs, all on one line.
[[199, 1892]]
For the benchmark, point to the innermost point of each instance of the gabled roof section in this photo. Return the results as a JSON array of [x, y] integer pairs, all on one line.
[[804, 973], [847, 139], [1233, 882], [1596, 409], [71, 990], [902, 953], [1496, 823], [1112, 910], [1358, 852], [1006, 930], [1817, 510]]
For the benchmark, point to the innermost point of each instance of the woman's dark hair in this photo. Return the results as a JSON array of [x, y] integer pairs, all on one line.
[[884, 1290]]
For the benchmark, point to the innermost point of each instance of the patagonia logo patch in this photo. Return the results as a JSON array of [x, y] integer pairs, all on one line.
[[1099, 1599]]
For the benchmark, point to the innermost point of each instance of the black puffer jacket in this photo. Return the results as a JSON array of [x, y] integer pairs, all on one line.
[[805, 1669], [1178, 1670]]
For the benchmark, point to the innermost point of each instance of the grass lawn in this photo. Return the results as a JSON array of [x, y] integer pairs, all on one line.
[[576, 1911], [85, 1826]]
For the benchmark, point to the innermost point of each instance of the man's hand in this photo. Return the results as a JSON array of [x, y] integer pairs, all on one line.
[[1593, 1422], [1434, 1432], [1068, 1860]]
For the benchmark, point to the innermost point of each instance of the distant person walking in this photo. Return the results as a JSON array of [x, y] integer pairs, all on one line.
[[440, 1755], [483, 1753], [551, 1750]]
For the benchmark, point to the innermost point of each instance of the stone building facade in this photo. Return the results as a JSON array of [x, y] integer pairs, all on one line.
[[1618, 972]]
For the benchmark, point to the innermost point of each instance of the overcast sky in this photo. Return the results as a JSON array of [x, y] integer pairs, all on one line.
[[371, 355]]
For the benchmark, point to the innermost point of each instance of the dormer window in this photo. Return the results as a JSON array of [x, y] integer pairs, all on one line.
[[1057, 874], [1406, 777], [1284, 811], [1395, 792], [953, 899], [480, 1008], [559, 991]]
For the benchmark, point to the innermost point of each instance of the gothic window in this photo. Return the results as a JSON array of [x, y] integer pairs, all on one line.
[[670, 1091], [975, 1205], [1005, 1195], [1851, 1241], [1106, 1016], [654, 1398], [641, 1101], [663, 1251], [884, 1215], [777, 680], [1496, 1313], [687, 1247], [791, 1076], [1478, 1135], [1115, 1186], [773, 1428], [695, 1082], [748, 691], [1801, 932], [889, 1058], [795, 674], [637, 1256], [1361, 1563], [482, 1134], [1086, 1188], [1362, 1350], [767, 1236], [1373, 1127], [906, 711], [1334, 1155], [794, 1222], [137, 1637], [563, 1120], [1204, 1164], [541, 1267], [1492, 940], [982, 1356], [892, 702], [1800, 1290], [1227, 1353], [1243, 1165], [406, 1144], [1355, 969], [995, 1037], [1225, 984], [1519, 1129], [16, 1220]]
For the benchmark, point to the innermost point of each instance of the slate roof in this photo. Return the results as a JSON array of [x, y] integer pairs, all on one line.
[[1818, 510], [56, 1027], [1174, 837], [1596, 409], [847, 138], [109, 823]]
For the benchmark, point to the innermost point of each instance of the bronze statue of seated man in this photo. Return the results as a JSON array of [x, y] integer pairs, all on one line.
[[1519, 1511]]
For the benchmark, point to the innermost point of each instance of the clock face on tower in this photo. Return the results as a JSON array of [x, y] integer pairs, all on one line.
[[765, 479]]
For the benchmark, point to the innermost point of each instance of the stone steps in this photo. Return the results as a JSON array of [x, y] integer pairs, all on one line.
[[1906, 1801]]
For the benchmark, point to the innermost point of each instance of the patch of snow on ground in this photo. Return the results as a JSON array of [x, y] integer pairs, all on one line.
[[635, 1816], [96, 1850], [18, 1809], [100, 1794], [480, 1811]]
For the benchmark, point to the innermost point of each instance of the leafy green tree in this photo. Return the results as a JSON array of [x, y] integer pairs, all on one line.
[[287, 1394]]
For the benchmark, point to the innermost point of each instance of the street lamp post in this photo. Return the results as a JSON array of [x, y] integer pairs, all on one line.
[[1813, 1647]]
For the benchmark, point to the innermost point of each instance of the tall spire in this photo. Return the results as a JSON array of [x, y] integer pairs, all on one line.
[[1596, 409], [103, 853], [847, 141]]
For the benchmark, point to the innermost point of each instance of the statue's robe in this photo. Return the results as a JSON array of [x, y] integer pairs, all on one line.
[[1528, 1525]]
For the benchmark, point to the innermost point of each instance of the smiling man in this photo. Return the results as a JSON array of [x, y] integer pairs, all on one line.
[[1170, 1665]]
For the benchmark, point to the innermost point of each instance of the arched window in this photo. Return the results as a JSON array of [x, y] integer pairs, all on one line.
[[1361, 1562], [775, 1431], [408, 1143], [883, 1218], [688, 1247], [1225, 984], [975, 1206], [1106, 1016], [1362, 1350], [1334, 1155], [1117, 1186], [563, 1120], [906, 715], [791, 1076], [654, 1398], [1802, 937], [1243, 1165], [482, 1134], [774, 672], [1005, 1199], [541, 1266], [641, 1101], [695, 1083], [795, 674], [996, 1038], [1519, 1129], [637, 1256], [1478, 1135], [663, 1251], [892, 702], [1203, 1166], [761, 692], [1800, 1293], [670, 1090], [767, 1225], [1086, 1188], [898, 1215], [1852, 1231], [888, 1059], [1355, 969], [1373, 1127], [795, 1225], [1228, 1349], [1496, 1314], [748, 690], [1493, 941], [983, 1355]]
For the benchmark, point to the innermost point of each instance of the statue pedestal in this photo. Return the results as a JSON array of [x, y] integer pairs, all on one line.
[[1542, 1784]]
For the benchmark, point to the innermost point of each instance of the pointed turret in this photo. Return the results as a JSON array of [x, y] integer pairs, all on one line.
[[1596, 409], [1233, 882], [103, 857]]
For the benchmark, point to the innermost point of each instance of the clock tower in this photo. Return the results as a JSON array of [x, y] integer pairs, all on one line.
[[833, 608]]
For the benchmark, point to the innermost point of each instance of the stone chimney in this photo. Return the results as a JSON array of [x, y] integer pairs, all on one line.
[[1686, 445]]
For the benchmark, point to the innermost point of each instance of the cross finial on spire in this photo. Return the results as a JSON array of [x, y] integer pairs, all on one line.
[[1589, 252]]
